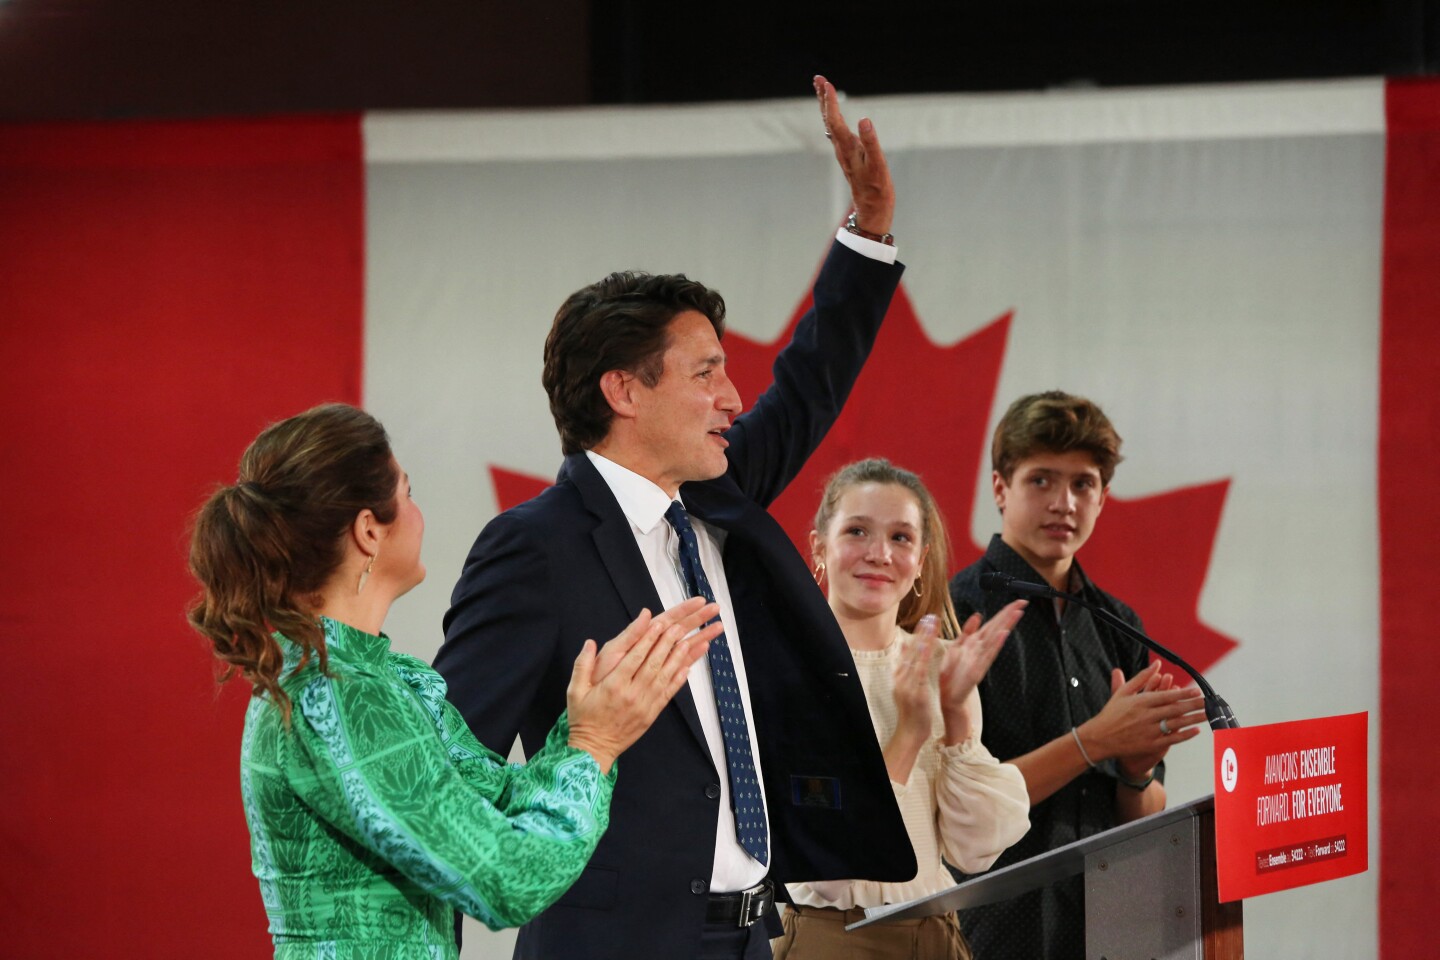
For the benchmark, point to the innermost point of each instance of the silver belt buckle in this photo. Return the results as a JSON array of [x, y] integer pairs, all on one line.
[[747, 902]]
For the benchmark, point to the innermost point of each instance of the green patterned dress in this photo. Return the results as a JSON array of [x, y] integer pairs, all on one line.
[[376, 812]]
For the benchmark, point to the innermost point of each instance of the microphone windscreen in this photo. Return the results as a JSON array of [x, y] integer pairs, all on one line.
[[996, 582], [993, 581]]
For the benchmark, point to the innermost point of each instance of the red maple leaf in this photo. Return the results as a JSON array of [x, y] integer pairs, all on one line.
[[926, 408]]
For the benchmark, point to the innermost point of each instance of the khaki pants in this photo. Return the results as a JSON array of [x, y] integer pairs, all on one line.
[[818, 933]]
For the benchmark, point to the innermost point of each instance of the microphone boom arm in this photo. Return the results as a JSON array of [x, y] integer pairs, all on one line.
[[1217, 711]]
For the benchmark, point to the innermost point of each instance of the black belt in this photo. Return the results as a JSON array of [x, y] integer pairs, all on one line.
[[743, 908]]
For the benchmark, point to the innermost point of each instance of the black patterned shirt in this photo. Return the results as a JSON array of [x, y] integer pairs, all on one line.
[[1052, 674]]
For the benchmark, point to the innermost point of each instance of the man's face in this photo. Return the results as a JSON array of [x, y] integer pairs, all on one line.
[[1049, 507], [680, 420]]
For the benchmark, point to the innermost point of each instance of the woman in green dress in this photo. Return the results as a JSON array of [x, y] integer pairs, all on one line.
[[373, 811]]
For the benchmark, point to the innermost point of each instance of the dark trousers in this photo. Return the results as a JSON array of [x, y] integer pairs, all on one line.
[[729, 942]]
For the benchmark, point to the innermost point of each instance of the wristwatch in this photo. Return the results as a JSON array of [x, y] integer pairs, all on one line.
[[851, 226]]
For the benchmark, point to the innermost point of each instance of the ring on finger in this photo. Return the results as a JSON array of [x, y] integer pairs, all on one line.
[[1165, 727]]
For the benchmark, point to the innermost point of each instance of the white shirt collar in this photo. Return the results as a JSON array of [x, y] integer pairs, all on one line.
[[643, 503]]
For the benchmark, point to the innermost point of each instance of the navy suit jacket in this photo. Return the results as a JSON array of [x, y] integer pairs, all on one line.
[[563, 567]]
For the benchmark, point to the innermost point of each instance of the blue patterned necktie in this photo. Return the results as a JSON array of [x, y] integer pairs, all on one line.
[[744, 784]]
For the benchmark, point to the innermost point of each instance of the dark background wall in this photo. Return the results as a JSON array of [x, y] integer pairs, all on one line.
[[96, 59]]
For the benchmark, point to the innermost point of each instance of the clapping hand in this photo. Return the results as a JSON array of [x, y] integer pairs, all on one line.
[[965, 663], [1144, 717], [615, 694], [913, 699]]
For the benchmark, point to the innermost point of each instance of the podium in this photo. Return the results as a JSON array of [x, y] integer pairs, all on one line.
[[1150, 889]]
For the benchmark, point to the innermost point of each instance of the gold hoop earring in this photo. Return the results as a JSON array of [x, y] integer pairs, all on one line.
[[917, 587], [365, 574], [819, 572]]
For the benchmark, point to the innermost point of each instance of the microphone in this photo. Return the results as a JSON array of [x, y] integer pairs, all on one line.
[[1217, 711], [994, 582]]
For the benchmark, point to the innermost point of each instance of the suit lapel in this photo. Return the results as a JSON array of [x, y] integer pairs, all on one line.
[[615, 544], [735, 517]]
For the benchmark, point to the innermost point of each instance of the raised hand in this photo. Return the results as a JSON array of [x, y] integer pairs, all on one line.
[[965, 663], [862, 161], [612, 704]]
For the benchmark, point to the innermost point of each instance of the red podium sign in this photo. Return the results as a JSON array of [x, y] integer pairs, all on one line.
[[1290, 804]]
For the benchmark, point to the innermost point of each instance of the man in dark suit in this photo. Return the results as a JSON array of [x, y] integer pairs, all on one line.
[[765, 768]]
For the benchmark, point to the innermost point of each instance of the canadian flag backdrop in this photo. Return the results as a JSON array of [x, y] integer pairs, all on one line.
[[1247, 278]]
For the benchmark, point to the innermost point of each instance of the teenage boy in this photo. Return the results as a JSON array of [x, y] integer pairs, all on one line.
[[1071, 701]]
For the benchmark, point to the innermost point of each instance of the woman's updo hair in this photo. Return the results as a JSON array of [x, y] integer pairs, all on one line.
[[263, 548], [934, 587]]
